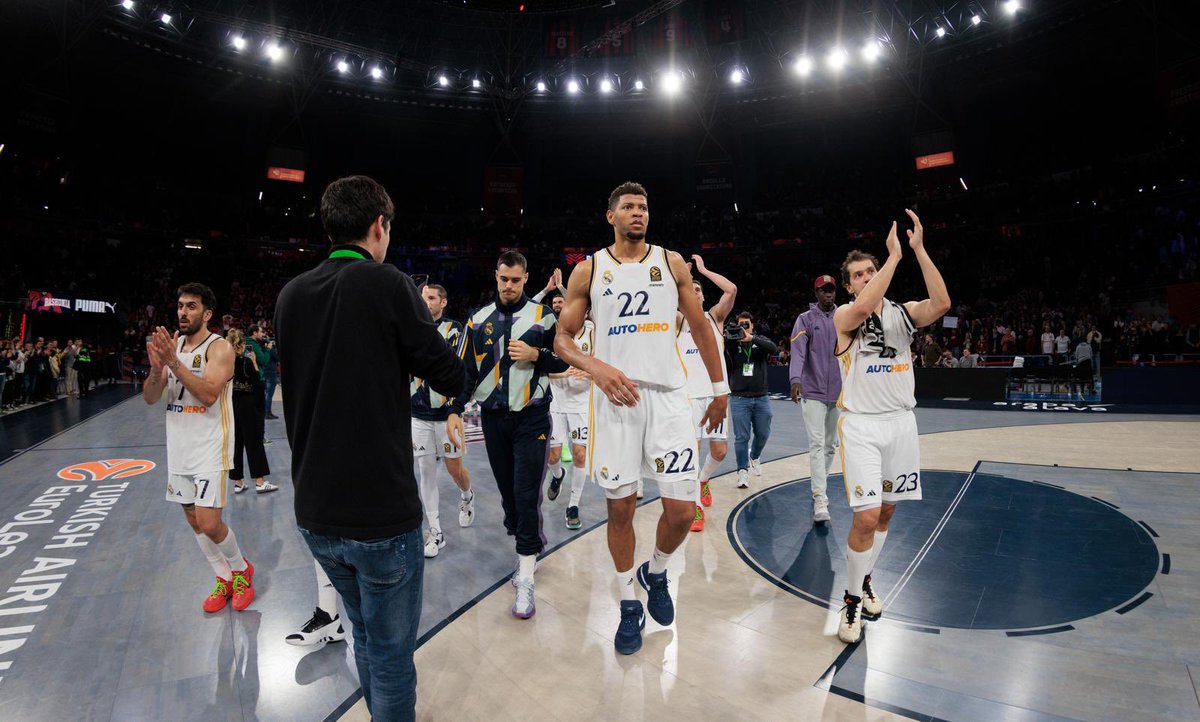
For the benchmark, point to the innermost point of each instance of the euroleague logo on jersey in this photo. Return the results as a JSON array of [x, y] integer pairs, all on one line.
[[888, 368], [106, 469]]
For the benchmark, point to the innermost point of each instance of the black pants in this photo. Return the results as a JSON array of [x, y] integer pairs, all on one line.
[[517, 446], [248, 424], [84, 371]]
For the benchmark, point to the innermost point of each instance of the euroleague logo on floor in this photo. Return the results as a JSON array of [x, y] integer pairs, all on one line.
[[106, 469]]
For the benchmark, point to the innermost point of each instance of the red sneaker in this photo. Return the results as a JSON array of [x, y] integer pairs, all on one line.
[[219, 597], [697, 523], [705, 494], [243, 586]]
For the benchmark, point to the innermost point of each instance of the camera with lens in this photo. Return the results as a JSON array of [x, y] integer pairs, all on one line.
[[734, 331]]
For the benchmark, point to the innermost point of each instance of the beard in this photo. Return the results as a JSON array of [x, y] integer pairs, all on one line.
[[633, 235], [188, 328]]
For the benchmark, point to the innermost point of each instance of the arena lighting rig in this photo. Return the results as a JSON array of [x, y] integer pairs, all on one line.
[[886, 36]]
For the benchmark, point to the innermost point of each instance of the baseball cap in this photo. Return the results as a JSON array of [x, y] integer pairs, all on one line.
[[825, 280]]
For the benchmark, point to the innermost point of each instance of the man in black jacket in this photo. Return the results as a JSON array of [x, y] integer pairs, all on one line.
[[356, 497], [750, 405]]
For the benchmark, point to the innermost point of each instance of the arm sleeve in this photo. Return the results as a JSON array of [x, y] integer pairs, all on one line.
[[470, 369], [423, 350], [800, 342], [767, 345], [537, 297], [548, 362]]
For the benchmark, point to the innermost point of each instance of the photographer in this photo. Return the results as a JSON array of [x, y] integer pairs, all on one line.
[[747, 361]]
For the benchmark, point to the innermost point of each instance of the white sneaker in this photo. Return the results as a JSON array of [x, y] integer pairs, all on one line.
[[756, 467], [321, 628], [466, 510], [641, 489], [850, 620], [872, 606], [820, 510], [743, 479], [522, 607], [434, 541]]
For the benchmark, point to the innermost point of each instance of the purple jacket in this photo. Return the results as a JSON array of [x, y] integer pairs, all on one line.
[[813, 363]]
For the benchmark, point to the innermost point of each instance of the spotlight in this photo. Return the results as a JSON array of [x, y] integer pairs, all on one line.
[[975, 19], [941, 32], [443, 81], [343, 66], [1011, 7], [639, 85], [736, 77], [870, 51], [837, 59], [274, 52], [127, 4], [239, 43], [606, 86], [573, 87], [376, 72], [476, 84], [672, 82], [803, 66], [541, 87], [166, 19]]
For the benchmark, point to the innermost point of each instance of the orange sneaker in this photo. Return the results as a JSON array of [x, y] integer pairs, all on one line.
[[697, 523], [243, 586], [219, 597], [705, 494]]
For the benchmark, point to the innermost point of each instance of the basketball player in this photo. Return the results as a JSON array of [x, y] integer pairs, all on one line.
[[568, 418], [698, 387], [195, 366], [429, 439], [640, 422], [881, 455]]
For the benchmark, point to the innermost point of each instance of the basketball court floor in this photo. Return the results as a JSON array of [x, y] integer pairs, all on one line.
[[1052, 572]]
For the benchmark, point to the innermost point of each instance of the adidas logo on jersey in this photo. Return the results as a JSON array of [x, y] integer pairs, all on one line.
[[541, 437], [488, 342], [607, 292]]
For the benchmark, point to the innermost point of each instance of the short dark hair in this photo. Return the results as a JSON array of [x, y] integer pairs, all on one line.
[[207, 298], [439, 288], [350, 205], [628, 188], [253, 329], [853, 257], [745, 315], [513, 259]]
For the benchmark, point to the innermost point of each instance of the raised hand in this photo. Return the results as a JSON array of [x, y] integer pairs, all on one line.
[[916, 237], [699, 262], [893, 243]]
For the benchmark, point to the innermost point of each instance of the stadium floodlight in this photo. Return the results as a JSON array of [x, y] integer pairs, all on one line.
[[941, 32], [639, 85], [573, 86], [871, 50], [443, 81], [837, 59], [274, 52], [343, 66], [975, 19], [377, 72], [541, 87], [476, 84], [736, 77], [239, 43], [166, 18], [803, 66], [672, 82], [127, 4], [606, 86], [1011, 7]]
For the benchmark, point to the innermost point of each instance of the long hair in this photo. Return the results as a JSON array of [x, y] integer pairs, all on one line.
[[237, 340]]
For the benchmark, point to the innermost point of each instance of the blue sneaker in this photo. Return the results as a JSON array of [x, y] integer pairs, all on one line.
[[629, 633], [660, 606]]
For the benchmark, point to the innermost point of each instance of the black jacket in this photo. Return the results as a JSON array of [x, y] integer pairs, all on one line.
[[736, 355], [350, 333]]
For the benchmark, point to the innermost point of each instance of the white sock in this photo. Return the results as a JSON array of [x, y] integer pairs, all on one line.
[[233, 555], [578, 480], [858, 564], [658, 562], [880, 538], [526, 563], [467, 495], [555, 468], [326, 594], [215, 558], [625, 582], [427, 483], [710, 465]]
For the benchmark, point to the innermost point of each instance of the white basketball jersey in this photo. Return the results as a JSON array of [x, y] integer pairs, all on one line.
[[877, 368], [699, 385], [634, 306], [199, 437], [570, 395]]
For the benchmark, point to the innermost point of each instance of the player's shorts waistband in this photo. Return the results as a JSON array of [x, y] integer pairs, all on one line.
[[885, 416]]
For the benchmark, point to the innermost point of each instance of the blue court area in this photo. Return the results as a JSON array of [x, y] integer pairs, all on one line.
[[981, 551]]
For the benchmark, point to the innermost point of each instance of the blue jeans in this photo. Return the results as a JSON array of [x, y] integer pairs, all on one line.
[[380, 584], [750, 414], [271, 382]]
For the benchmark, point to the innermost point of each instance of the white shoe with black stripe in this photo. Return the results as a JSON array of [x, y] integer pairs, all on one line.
[[321, 628]]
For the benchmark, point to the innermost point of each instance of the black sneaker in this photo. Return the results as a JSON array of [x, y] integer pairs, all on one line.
[[321, 628], [573, 521], [629, 632], [556, 484], [659, 604]]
